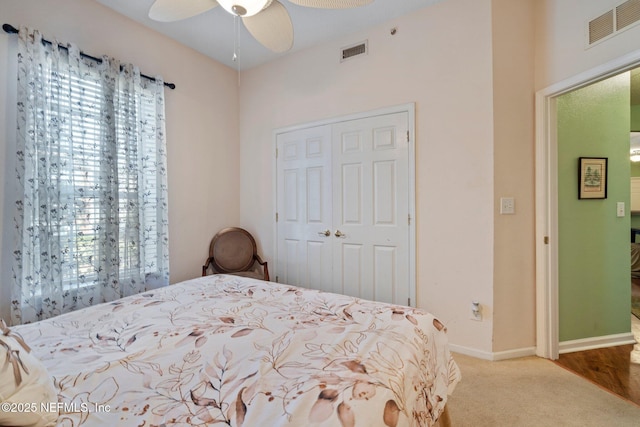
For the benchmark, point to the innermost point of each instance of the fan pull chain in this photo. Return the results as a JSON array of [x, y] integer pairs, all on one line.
[[235, 38], [236, 44]]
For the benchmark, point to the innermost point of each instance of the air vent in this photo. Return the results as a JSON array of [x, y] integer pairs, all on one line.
[[627, 13], [601, 27], [353, 51], [620, 18]]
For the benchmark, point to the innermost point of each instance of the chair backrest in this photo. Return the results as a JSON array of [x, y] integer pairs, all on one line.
[[232, 249]]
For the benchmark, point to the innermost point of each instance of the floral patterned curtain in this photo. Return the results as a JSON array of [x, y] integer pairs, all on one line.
[[91, 220]]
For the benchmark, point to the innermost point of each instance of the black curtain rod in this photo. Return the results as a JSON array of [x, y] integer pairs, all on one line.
[[10, 29]]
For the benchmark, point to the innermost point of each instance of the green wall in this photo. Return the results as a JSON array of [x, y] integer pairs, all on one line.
[[594, 260], [635, 127], [635, 168], [635, 118]]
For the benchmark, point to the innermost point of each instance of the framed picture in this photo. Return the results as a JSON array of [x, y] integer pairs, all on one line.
[[592, 178]]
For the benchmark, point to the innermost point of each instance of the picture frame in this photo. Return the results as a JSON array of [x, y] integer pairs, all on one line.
[[592, 178]]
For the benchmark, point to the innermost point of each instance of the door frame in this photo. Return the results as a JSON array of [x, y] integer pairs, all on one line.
[[410, 109], [546, 197]]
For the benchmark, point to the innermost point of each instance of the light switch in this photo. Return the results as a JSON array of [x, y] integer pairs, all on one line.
[[620, 209], [507, 206]]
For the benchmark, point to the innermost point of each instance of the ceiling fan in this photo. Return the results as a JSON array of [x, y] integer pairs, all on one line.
[[267, 20]]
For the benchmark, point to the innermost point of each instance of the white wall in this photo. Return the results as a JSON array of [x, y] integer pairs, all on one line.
[[513, 109], [440, 59], [202, 122], [561, 47]]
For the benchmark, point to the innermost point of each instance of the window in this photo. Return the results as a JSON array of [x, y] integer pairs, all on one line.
[[81, 148], [92, 219]]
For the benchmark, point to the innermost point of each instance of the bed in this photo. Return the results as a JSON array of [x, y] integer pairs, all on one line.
[[228, 350]]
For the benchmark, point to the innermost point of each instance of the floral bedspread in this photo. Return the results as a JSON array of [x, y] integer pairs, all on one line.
[[240, 352]]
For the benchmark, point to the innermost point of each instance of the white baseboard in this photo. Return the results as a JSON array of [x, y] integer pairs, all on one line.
[[515, 353], [493, 356], [596, 342], [470, 352], [565, 347]]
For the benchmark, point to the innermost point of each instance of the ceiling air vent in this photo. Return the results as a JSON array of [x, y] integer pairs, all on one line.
[[601, 27], [352, 51], [627, 13]]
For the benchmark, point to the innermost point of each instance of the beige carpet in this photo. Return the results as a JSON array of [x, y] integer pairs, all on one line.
[[532, 392]]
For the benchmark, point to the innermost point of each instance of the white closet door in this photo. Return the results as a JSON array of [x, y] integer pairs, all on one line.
[[350, 178], [304, 208], [371, 208]]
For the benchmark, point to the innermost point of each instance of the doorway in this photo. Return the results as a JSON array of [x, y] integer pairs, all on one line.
[[345, 202], [592, 134], [548, 200]]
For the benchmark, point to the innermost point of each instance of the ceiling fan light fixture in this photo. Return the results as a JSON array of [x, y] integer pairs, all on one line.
[[243, 7], [268, 21]]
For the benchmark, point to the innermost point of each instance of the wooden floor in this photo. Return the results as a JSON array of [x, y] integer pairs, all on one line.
[[610, 368]]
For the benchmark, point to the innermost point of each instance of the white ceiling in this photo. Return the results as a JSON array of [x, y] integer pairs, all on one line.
[[212, 33]]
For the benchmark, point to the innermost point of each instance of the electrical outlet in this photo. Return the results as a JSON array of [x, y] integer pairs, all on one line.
[[476, 311]]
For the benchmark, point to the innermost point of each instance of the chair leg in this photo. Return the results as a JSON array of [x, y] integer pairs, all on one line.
[[206, 266]]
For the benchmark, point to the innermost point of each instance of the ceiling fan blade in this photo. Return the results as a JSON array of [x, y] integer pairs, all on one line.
[[331, 4], [271, 27], [175, 10]]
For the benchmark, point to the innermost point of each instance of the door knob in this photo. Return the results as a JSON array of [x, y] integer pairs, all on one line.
[[339, 233], [325, 233]]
